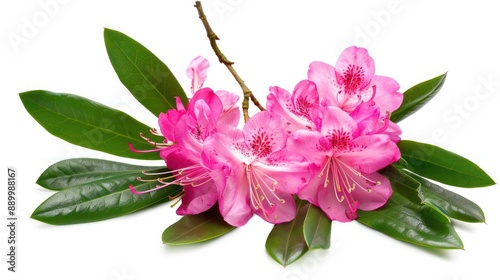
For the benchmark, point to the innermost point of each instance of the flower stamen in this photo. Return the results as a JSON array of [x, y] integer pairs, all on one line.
[[259, 189]]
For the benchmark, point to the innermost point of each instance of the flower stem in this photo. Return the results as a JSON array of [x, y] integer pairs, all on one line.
[[247, 93]]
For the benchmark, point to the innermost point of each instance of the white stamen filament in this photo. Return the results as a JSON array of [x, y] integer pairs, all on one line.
[[156, 144], [194, 176], [155, 132], [341, 175], [259, 189]]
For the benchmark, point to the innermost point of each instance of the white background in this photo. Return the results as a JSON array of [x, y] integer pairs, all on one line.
[[272, 44]]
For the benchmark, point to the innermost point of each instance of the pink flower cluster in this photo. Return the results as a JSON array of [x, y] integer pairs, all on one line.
[[324, 143]]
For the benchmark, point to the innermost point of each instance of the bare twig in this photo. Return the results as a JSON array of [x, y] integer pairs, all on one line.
[[247, 93]]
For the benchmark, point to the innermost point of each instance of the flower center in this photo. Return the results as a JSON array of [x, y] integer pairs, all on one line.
[[352, 78], [261, 143], [303, 107], [337, 140]]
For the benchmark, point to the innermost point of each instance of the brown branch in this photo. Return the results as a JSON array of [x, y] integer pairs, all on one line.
[[247, 93]]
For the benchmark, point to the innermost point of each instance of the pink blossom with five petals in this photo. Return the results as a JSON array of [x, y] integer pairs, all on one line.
[[253, 172], [345, 178]]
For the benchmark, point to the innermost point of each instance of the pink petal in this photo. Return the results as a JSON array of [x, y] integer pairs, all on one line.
[[290, 170], [186, 138], [197, 72], [279, 103], [305, 99], [323, 75], [230, 117], [387, 96], [227, 146], [354, 69], [234, 198], [228, 99], [283, 212], [378, 195], [197, 199], [367, 117], [307, 143], [230, 111], [168, 121], [264, 134], [335, 120], [210, 98], [222, 154], [371, 153], [201, 120], [394, 132], [333, 208]]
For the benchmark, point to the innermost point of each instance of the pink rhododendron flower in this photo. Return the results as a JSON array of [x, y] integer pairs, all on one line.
[[299, 110], [183, 157], [345, 178], [351, 83], [197, 71], [253, 172], [185, 130]]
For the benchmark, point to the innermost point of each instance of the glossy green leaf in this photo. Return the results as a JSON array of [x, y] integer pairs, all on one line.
[[417, 96], [88, 124], [411, 189], [148, 79], [402, 183], [443, 166], [413, 223], [78, 171], [92, 200], [317, 228], [401, 163], [285, 243], [196, 228], [452, 204]]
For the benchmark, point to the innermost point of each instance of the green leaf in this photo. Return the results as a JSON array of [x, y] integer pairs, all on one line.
[[90, 200], [452, 204], [413, 223], [411, 189], [417, 96], [78, 171], [88, 124], [317, 228], [402, 183], [401, 163], [196, 228], [142, 73], [285, 243], [443, 166]]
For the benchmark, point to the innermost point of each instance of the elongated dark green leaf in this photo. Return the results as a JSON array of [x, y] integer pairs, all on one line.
[[411, 189], [88, 124], [417, 96], [317, 228], [97, 200], [443, 166], [196, 228], [452, 204], [142, 73], [401, 163], [78, 171], [285, 243], [404, 184], [417, 224]]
